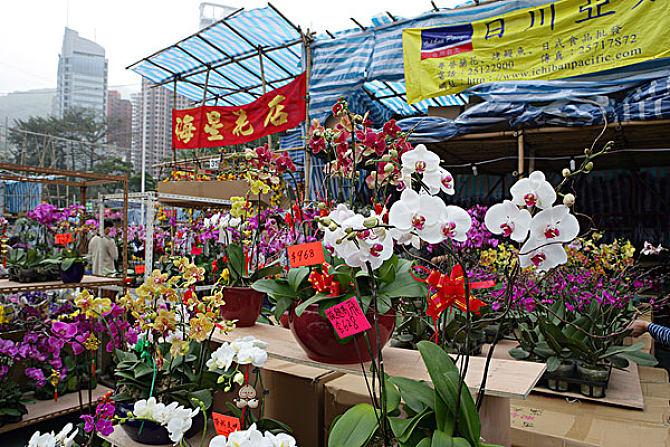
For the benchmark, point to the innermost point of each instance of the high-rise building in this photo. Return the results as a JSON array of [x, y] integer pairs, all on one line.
[[213, 12], [156, 125], [119, 123], [136, 140], [82, 75]]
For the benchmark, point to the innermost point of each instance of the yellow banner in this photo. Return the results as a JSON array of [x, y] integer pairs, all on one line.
[[557, 40]]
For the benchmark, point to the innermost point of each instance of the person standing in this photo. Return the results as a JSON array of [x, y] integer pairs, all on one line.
[[103, 252]]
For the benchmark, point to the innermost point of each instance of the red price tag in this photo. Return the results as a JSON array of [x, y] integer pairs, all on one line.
[[225, 425], [306, 254], [140, 269], [196, 251], [348, 318], [63, 238]]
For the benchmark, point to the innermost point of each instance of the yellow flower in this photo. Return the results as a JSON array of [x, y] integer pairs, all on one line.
[[92, 307], [238, 206], [259, 187], [3, 316], [178, 347], [92, 343], [201, 326], [165, 321], [225, 275]]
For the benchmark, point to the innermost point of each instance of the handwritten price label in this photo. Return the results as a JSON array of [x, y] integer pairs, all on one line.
[[225, 425], [306, 254], [140, 269], [63, 239], [348, 318]]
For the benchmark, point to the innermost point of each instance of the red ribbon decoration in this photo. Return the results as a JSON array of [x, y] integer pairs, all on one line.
[[323, 282], [450, 292]]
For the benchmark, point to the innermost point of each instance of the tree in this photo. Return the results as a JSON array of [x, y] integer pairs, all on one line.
[[41, 141]]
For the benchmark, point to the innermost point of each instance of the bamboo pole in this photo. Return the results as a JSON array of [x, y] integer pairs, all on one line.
[[520, 153]]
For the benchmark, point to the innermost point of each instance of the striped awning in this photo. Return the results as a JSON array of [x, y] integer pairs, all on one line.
[[231, 57]]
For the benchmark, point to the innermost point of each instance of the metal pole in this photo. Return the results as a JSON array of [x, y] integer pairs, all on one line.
[[263, 85], [308, 156], [149, 238]]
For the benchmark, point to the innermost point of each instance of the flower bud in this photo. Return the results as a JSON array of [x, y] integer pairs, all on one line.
[[569, 200], [248, 156], [332, 226], [321, 205], [393, 153], [325, 221], [588, 167], [386, 157], [566, 172], [238, 378], [348, 230], [370, 222], [588, 151], [358, 119]]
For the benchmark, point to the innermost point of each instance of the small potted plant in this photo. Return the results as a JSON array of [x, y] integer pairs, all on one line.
[[12, 408], [72, 266]]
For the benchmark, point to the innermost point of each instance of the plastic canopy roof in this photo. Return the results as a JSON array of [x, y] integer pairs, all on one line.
[[234, 51]]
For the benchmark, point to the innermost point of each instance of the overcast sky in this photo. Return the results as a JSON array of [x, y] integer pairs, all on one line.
[[31, 31]]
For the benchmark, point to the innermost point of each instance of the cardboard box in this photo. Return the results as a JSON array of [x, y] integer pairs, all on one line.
[[296, 398], [222, 190], [552, 422]]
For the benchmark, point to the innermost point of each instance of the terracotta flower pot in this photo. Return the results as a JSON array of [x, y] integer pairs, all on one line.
[[242, 304], [317, 337]]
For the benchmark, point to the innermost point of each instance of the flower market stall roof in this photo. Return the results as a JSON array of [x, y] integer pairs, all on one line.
[[225, 63]]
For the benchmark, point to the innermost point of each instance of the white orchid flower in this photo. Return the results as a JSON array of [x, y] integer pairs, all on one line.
[[542, 255], [45, 440], [649, 249], [455, 223], [507, 219], [218, 441], [534, 191], [419, 161], [554, 224], [177, 428], [145, 408], [252, 355], [419, 213], [281, 440], [359, 245], [439, 180], [222, 358]]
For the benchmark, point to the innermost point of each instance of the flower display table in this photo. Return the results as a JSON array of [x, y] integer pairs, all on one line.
[[507, 379], [42, 410], [7, 286]]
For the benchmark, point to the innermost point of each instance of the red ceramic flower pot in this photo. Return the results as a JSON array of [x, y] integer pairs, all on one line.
[[317, 338], [242, 304]]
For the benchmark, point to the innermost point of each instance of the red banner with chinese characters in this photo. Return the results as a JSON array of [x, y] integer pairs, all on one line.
[[215, 126]]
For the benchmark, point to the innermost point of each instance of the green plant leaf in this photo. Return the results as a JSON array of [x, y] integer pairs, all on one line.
[[615, 350], [553, 363], [469, 424], [641, 358], [296, 276], [392, 396], [403, 428], [441, 439], [236, 261], [142, 369], [425, 442], [313, 300], [354, 428], [416, 395], [283, 304], [274, 288], [518, 353]]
